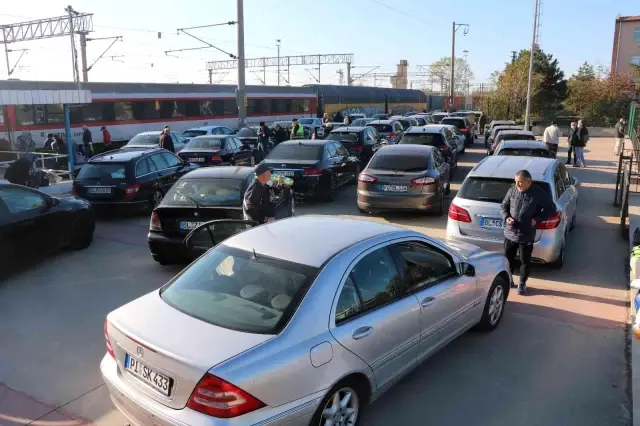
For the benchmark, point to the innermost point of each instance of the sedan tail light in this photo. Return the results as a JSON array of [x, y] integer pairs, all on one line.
[[464, 130], [219, 398], [155, 224], [422, 181], [365, 178], [107, 340], [312, 172], [131, 190], [443, 148], [459, 214], [550, 223], [215, 158], [74, 189]]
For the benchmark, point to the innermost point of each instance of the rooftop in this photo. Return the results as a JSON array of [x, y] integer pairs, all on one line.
[[635, 18], [506, 167], [429, 128]]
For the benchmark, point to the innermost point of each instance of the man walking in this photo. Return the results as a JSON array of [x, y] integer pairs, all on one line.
[[620, 132], [87, 141], [166, 141], [581, 137], [570, 139], [482, 122], [552, 138], [524, 206]]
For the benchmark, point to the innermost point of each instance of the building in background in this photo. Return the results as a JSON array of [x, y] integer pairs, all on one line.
[[400, 80], [626, 45]]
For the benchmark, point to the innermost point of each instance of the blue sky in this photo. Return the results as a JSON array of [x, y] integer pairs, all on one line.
[[377, 32]]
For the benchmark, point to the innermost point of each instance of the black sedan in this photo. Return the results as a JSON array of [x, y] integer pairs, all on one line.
[[317, 167], [217, 150], [213, 193], [33, 224], [361, 142]]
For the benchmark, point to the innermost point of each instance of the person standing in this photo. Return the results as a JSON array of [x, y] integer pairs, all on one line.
[[106, 137], [297, 131], [257, 204], [570, 140], [21, 171], [338, 118], [524, 206], [482, 121], [580, 142], [620, 133], [166, 141], [552, 138], [87, 141], [48, 143]]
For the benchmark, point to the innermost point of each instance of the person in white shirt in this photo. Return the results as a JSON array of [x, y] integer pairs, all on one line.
[[552, 138]]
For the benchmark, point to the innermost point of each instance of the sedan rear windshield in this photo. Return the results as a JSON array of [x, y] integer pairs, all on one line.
[[459, 123], [403, 163], [431, 139], [344, 137], [205, 192], [204, 143], [194, 133], [145, 139], [525, 152], [239, 290], [296, 152], [106, 173], [512, 137], [491, 189], [382, 128]]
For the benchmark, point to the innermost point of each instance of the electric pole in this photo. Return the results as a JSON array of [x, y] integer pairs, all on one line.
[[455, 28], [527, 114], [240, 95], [278, 45], [74, 53], [513, 56]]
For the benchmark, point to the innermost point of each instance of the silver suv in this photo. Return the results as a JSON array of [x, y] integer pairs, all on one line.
[[474, 214]]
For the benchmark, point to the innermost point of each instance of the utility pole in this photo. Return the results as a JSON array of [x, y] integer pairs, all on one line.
[[319, 62], [210, 76], [513, 56], [349, 74], [454, 28], [74, 54], [278, 45], [527, 114], [240, 95], [83, 56]]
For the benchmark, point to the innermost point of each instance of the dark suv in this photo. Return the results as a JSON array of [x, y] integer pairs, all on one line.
[[136, 178], [437, 136], [463, 124], [361, 142]]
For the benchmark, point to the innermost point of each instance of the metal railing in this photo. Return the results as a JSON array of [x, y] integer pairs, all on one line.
[[55, 164]]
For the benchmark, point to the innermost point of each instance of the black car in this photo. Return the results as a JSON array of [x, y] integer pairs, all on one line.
[[213, 193], [463, 125], [317, 167], [135, 178], [361, 142], [249, 137], [33, 224], [217, 150], [437, 136]]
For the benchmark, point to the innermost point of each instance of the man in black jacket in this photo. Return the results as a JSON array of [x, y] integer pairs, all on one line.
[[257, 204], [524, 206], [166, 141]]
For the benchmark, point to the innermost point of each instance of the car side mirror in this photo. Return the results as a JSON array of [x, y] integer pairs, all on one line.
[[468, 270]]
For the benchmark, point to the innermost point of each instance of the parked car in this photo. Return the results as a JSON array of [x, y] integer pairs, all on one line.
[[200, 196], [218, 150], [495, 123], [327, 128], [152, 139], [405, 177], [437, 117], [129, 178], [34, 224], [511, 134], [420, 119], [311, 123], [522, 148], [406, 122], [463, 124], [356, 116], [391, 130], [362, 122], [317, 167], [436, 135], [207, 130], [494, 134], [380, 116], [270, 325], [361, 142], [459, 138], [474, 214]]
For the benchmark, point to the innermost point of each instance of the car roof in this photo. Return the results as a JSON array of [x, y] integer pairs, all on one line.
[[517, 132], [211, 137], [220, 172], [349, 129], [522, 144], [298, 231], [382, 121], [496, 122], [122, 155], [310, 142], [506, 126], [151, 132], [505, 167], [408, 148], [204, 128], [455, 117], [430, 128]]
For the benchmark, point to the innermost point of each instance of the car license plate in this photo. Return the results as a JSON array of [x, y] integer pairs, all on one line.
[[95, 190], [197, 160], [148, 375], [492, 223], [285, 172], [394, 188], [189, 226]]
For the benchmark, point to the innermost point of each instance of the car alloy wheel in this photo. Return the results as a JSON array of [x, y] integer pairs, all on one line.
[[341, 409], [496, 304]]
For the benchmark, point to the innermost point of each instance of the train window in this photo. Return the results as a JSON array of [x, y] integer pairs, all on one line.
[[297, 105], [25, 115], [179, 108], [281, 105], [253, 106], [206, 108], [1, 115], [192, 108], [92, 112], [148, 110], [123, 111], [306, 105], [55, 114], [230, 107], [40, 114]]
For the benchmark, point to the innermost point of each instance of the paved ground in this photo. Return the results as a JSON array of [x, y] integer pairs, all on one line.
[[558, 357]]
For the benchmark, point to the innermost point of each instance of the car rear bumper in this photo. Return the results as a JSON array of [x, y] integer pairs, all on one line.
[[169, 248], [307, 186], [374, 201], [545, 250], [141, 410]]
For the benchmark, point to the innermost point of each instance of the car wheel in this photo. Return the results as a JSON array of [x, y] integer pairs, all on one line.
[[363, 211], [156, 198], [448, 190], [162, 260], [559, 262], [494, 305], [82, 234], [330, 188], [342, 406], [573, 222]]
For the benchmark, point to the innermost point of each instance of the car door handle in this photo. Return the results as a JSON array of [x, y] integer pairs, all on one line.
[[427, 301], [362, 332]]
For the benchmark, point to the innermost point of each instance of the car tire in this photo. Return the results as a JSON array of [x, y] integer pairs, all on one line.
[[559, 262], [440, 211], [330, 189], [162, 260], [335, 398], [496, 300], [82, 234], [573, 222], [363, 211], [155, 199]]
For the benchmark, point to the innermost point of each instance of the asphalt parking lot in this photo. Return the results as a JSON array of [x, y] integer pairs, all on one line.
[[558, 357]]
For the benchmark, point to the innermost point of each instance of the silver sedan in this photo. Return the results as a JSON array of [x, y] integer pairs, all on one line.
[[297, 322]]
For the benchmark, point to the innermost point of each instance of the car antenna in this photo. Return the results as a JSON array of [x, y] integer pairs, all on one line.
[[255, 256]]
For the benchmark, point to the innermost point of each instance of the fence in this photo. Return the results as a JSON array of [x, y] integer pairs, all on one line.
[[55, 164], [628, 178]]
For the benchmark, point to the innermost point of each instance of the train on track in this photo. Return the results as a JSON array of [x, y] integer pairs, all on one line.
[[127, 109]]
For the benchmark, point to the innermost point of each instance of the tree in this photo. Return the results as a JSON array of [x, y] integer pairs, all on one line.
[[441, 73], [553, 88], [585, 72]]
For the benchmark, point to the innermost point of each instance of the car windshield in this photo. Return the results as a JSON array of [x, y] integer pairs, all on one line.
[[492, 190], [145, 139], [382, 128], [361, 122], [194, 133], [405, 124], [421, 121], [437, 118], [306, 121], [296, 152], [209, 191], [204, 143], [343, 137], [240, 290], [497, 131], [246, 133], [525, 152], [399, 162], [459, 123], [432, 139], [104, 173]]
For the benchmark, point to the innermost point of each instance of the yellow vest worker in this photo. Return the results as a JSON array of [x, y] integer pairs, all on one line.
[[297, 134]]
